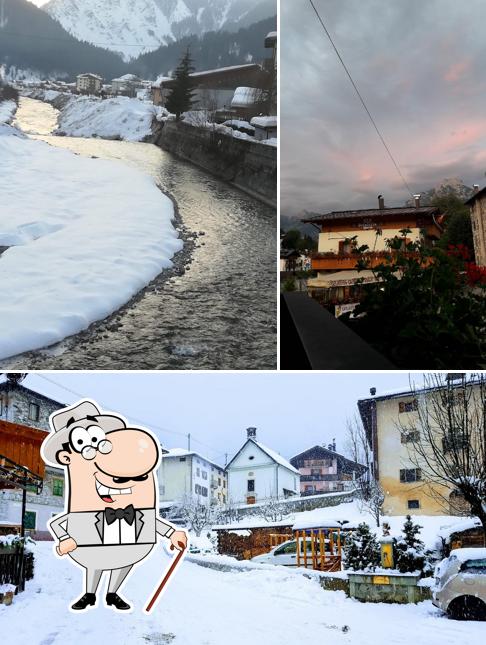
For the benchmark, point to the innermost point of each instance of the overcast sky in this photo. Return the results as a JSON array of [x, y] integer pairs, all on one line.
[[291, 411], [39, 3], [419, 65]]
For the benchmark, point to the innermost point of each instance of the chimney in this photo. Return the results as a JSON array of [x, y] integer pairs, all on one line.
[[372, 391], [381, 202], [417, 201], [251, 433], [475, 189]]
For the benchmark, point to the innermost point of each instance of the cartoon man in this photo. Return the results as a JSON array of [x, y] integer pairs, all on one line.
[[111, 518]]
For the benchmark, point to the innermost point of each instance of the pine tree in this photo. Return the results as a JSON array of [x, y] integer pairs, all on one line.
[[410, 553], [181, 97], [361, 550]]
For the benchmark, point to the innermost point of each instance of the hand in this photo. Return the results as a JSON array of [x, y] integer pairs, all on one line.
[[178, 540], [66, 546]]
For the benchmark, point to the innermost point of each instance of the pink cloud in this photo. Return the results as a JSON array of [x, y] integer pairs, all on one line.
[[457, 70]]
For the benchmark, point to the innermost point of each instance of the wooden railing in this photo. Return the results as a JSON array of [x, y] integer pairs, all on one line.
[[15, 568]]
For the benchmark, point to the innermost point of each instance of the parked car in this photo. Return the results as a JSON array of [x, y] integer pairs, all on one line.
[[285, 554], [460, 584]]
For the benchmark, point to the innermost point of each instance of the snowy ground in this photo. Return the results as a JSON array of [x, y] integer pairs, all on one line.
[[7, 110], [118, 118], [206, 607], [85, 235]]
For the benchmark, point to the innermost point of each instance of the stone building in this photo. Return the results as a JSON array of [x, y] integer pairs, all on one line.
[[477, 204], [24, 409], [89, 83]]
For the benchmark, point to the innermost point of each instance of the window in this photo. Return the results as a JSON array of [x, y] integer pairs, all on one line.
[[34, 411], [251, 457], [198, 472], [224, 483], [408, 475], [30, 520], [204, 474], [204, 491], [197, 489], [291, 547], [182, 459], [315, 471], [219, 481], [475, 566], [251, 485], [410, 436], [407, 406], [455, 440], [1, 405], [413, 503], [224, 498], [58, 487]]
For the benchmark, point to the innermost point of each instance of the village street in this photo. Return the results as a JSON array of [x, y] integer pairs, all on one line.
[[206, 607]]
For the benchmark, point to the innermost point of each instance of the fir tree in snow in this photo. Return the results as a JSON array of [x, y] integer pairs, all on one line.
[[181, 97], [361, 549], [410, 555]]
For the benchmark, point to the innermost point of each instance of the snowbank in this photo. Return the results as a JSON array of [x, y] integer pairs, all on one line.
[[118, 118], [7, 110], [85, 236]]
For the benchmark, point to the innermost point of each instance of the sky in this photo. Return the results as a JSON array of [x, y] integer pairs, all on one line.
[[39, 3], [420, 68], [291, 412]]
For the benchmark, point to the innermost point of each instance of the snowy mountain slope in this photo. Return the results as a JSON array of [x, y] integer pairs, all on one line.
[[133, 27]]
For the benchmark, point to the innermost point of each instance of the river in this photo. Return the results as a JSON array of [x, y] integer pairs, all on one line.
[[215, 310]]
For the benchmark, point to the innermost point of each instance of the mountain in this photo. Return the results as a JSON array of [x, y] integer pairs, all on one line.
[[133, 27], [213, 49], [31, 40]]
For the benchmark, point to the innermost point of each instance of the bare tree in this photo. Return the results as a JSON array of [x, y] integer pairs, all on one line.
[[272, 510], [369, 492], [197, 516], [446, 438]]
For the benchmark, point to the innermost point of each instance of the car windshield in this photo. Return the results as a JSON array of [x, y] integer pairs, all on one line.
[[475, 566]]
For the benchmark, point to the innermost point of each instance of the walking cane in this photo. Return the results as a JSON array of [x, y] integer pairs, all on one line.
[[167, 576]]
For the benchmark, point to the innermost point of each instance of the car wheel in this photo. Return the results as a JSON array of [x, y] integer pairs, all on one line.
[[467, 608]]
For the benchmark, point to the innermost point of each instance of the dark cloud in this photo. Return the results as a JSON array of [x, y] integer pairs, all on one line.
[[419, 66]]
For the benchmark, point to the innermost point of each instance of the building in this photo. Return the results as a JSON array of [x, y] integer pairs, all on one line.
[[323, 470], [245, 102], [185, 473], [89, 83], [127, 85], [265, 127], [477, 204], [257, 473], [405, 485], [24, 420], [342, 232]]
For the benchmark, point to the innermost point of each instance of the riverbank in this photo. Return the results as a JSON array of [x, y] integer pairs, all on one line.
[[214, 309], [77, 249]]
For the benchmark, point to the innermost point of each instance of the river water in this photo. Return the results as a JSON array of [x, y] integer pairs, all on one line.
[[215, 310]]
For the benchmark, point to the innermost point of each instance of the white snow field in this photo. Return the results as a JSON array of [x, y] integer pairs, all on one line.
[[118, 118], [85, 235], [7, 110], [206, 607]]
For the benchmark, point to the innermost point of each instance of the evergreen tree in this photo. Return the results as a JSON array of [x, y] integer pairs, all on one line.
[[181, 97], [410, 553], [361, 550]]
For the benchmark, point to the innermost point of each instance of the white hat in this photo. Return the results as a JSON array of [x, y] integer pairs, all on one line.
[[62, 420]]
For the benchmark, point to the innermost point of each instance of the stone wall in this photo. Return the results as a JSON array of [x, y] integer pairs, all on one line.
[[250, 166], [300, 504], [15, 407]]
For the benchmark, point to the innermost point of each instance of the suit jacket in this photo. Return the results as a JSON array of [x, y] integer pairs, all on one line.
[[86, 527]]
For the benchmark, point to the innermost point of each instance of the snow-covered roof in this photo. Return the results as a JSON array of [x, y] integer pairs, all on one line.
[[328, 524], [182, 452], [474, 553], [221, 70], [275, 456], [264, 121], [244, 96], [271, 34], [88, 74], [459, 527], [127, 77]]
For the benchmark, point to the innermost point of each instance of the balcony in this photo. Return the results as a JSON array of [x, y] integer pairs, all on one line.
[[330, 261]]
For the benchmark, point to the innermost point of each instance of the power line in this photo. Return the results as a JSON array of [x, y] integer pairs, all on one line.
[[397, 167]]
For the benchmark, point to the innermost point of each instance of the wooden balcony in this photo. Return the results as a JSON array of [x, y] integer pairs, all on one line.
[[342, 261]]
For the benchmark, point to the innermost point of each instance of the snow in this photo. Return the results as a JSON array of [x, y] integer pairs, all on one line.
[[264, 121], [85, 235], [270, 142], [463, 555], [244, 96], [7, 110], [206, 607], [276, 457], [118, 118], [238, 123], [7, 588], [464, 525], [182, 452]]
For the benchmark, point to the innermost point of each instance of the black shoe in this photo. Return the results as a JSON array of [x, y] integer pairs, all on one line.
[[84, 601], [114, 599]]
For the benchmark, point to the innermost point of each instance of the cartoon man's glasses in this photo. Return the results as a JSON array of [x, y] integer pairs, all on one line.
[[88, 441]]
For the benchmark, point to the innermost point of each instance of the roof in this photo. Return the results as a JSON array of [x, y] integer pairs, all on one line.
[[374, 212], [91, 75], [244, 96], [271, 453], [216, 71], [181, 452], [127, 77], [329, 453], [480, 193], [264, 121]]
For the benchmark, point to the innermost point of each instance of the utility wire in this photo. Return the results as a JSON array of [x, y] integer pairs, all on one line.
[[362, 100]]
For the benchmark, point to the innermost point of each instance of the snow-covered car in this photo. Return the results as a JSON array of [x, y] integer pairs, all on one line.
[[285, 554], [460, 584]]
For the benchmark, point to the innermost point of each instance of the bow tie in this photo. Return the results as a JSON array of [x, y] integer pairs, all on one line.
[[127, 514]]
